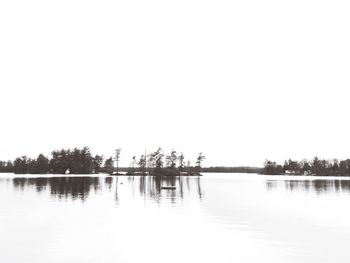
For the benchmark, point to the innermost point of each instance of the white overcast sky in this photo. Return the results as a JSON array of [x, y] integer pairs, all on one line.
[[240, 81]]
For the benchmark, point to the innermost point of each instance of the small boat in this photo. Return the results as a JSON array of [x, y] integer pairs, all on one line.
[[168, 187]]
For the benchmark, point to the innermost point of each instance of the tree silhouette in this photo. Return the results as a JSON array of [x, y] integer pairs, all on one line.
[[142, 164], [117, 158], [181, 159], [171, 160], [97, 163], [199, 161]]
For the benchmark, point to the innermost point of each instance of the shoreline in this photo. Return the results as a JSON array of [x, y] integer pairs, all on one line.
[[204, 174]]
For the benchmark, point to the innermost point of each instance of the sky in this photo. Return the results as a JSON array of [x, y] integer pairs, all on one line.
[[240, 81]]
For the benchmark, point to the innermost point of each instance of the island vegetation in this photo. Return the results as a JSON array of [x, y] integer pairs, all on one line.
[[81, 161], [157, 163], [317, 166]]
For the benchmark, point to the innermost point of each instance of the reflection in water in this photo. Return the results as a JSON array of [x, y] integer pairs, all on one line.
[[80, 187], [149, 187], [61, 187], [109, 183], [240, 220], [317, 186]]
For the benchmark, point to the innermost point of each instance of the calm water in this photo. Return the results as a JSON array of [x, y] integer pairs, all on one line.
[[215, 218]]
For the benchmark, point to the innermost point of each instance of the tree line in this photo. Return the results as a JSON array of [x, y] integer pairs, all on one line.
[[238, 169], [81, 161], [76, 161], [316, 166]]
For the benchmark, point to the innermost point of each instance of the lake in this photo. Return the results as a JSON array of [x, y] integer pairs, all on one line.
[[214, 218]]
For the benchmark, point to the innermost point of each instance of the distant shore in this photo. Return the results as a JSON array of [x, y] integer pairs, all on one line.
[[315, 167]]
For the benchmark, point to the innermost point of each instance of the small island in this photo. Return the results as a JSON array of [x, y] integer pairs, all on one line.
[[81, 161]]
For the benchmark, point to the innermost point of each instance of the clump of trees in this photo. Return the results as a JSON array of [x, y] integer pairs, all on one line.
[[23, 165], [317, 166], [158, 163], [6, 167], [76, 161], [272, 168], [81, 161]]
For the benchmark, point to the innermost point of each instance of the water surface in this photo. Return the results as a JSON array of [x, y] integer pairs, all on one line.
[[214, 218]]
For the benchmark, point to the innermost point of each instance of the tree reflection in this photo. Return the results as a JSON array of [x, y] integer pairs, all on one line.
[[109, 182], [61, 187], [150, 187], [317, 186], [80, 188]]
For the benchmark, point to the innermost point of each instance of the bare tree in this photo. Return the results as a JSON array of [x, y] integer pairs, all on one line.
[[188, 166], [117, 158], [133, 163]]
